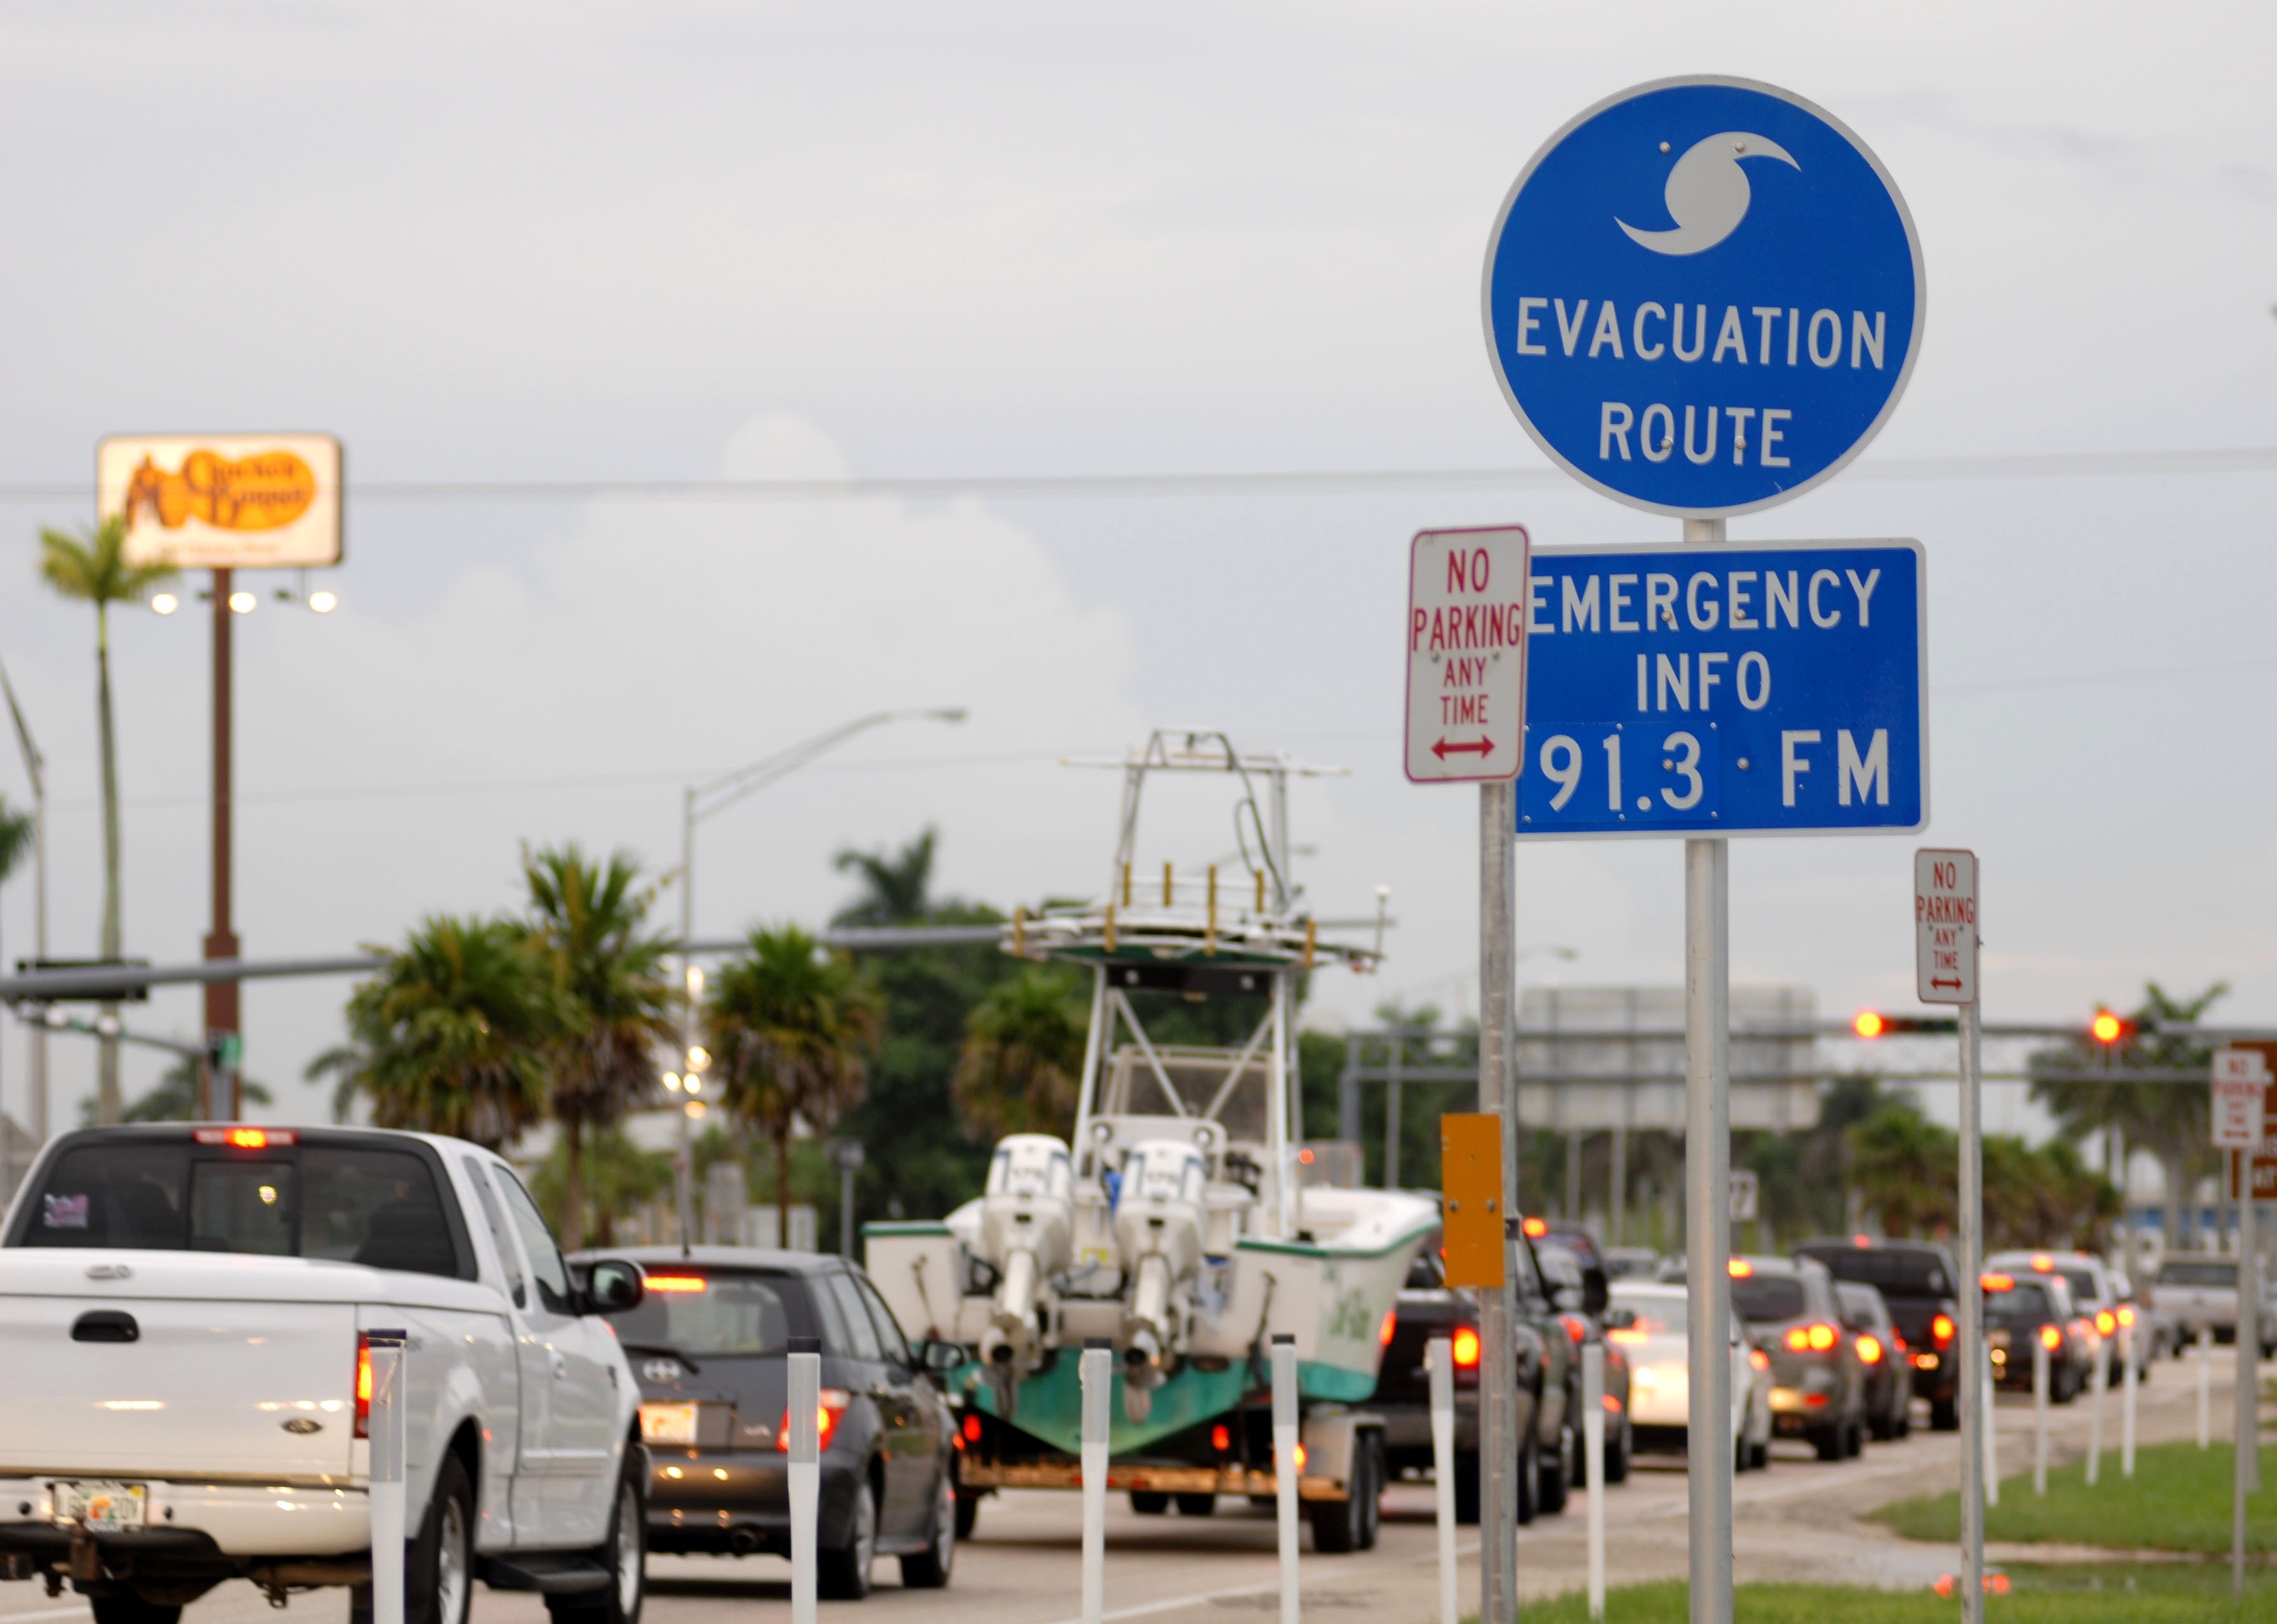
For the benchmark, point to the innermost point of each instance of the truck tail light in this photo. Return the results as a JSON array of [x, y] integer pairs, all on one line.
[[1466, 1349], [2050, 1338], [364, 1386], [1811, 1338], [1870, 1349], [244, 1139], [827, 1417], [1940, 1330], [2106, 1321], [1390, 1323]]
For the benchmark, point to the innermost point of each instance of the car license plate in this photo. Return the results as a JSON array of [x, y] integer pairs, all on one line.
[[667, 1424], [103, 1507]]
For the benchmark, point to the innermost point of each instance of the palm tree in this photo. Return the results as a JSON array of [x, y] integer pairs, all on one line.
[[451, 1035], [1906, 1168], [92, 567], [614, 992], [2169, 1121], [791, 1027], [895, 889], [1023, 1049]]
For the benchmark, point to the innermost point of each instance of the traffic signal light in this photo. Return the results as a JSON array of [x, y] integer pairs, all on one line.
[[1874, 1024], [2108, 1029]]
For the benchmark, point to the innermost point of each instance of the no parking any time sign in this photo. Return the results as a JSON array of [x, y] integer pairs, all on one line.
[[1466, 655]]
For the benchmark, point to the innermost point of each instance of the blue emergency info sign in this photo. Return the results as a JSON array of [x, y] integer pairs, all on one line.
[[1703, 296], [1775, 689]]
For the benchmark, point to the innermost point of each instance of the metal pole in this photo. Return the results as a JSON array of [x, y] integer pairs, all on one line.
[[683, 1165], [1708, 1219], [221, 997], [1617, 1220], [34, 766], [2246, 1440], [1991, 1441], [2127, 1401], [806, 1406], [1976, 1401], [1392, 1104], [1498, 1309], [1593, 1451], [1439, 1354], [2098, 1383], [2039, 1415], [384, 1421], [1097, 1372], [1284, 1466], [1707, 1198]]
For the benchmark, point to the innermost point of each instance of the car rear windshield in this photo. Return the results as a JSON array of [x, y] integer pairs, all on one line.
[[1767, 1299], [353, 1203], [2026, 1300], [1896, 1273], [718, 1311], [2181, 1272]]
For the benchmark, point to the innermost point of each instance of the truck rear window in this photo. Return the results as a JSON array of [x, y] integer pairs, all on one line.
[[2186, 1272], [1895, 1272], [709, 1312], [351, 1203]]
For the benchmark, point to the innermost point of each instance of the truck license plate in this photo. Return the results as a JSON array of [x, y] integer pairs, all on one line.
[[667, 1424], [104, 1507]]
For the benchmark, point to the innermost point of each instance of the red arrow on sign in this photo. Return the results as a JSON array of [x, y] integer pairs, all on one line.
[[1442, 750], [1955, 985]]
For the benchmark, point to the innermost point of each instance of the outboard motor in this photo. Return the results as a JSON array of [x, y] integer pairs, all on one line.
[[1027, 1234], [1160, 1220]]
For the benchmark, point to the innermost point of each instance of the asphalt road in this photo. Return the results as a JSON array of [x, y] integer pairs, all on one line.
[[1799, 1520]]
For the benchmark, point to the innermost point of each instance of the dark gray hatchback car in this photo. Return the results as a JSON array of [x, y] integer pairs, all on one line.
[[710, 1343]]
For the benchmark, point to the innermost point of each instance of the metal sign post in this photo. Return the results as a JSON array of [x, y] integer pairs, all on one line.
[[1439, 1352], [806, 1406], [1946, 936], [2099, 1383], [384, 1350], [2245, 1128], [1593, 1450], [1499, 1303], [2126, 1400]]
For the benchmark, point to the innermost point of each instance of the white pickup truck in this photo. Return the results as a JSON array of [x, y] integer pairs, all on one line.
[[184, 1380]]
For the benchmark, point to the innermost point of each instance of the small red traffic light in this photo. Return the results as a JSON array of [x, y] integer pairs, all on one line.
[[1869, 1024], [2106, 1028]]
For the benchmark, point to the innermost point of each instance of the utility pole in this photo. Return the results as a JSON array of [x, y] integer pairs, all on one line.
[[222, 1090], [35, 769]]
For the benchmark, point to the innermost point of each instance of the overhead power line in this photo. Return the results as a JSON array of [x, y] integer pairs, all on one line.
[[1323, 482]]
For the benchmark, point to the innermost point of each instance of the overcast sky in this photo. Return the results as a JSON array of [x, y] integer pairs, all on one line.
[[577, 243]]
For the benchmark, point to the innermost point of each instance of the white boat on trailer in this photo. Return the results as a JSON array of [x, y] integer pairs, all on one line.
[[1177, 1223]]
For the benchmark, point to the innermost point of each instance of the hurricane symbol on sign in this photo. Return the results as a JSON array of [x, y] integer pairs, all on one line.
[[1707, 193]]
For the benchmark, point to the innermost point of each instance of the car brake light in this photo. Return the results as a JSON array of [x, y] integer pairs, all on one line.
[[1997, 1283], [1576, 1328], [1759, 1359], [1536, 1228], [1466, 1349], [1870, 1349], [1822, 1338], [2126, 1314], [1222, 1438], [2079, 1327], [364, 1386], [972, 1429], [677, 1283], [1627, 1337], [2051, 1338], [2042, 1262], [1940, 1330], [1798, 1340], [1391, 1322], [1738, 1269], [244, 1139], [826, 1416], [2106, 1321]]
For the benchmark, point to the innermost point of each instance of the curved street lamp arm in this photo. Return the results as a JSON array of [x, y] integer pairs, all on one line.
[[722, 793]]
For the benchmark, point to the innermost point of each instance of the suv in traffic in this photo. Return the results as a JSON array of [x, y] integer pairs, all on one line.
[[1916, 1279], [1818, 1386]]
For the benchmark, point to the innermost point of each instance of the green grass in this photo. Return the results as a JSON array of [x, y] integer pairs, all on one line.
[[2162, 1594], [2178, 1500]]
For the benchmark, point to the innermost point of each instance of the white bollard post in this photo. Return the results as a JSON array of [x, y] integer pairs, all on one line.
[[804, 1405], [2039, 1415], [2127, 1401], [1593, 1450], [1284, 1466], [2205, 1386], [1992, 1442], [2100, 1380], [1097, 1373], [385, 1425], [1440, 1355]]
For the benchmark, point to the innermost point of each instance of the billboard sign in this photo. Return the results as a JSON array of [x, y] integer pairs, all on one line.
[[223, 501]]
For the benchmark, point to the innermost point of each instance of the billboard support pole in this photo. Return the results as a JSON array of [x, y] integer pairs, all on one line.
[[223, 1091], [1706, 1195]]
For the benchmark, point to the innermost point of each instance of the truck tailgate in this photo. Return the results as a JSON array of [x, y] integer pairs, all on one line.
[[234, 1370]]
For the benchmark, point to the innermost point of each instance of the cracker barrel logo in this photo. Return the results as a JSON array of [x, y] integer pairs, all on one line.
[[264, 492]]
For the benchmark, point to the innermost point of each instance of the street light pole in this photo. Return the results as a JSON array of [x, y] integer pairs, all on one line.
[[697, 803], [35, 764]]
